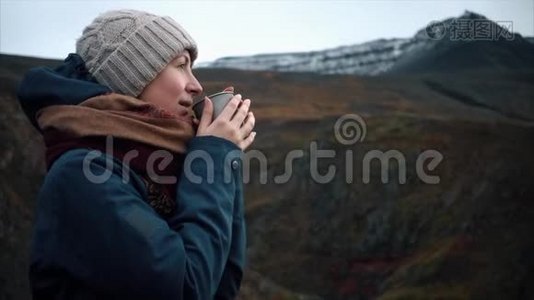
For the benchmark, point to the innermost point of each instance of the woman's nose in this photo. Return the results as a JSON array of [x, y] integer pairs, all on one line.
[[194, 87]]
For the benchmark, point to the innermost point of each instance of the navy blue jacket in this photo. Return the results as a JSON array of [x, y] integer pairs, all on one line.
[[103, 241]]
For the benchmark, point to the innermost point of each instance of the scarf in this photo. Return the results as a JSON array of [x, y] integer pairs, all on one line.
[[121, 124]]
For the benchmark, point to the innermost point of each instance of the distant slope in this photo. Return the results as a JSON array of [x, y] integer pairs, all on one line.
[[18, 65], [14, 66], [426, 51], [451, 52]]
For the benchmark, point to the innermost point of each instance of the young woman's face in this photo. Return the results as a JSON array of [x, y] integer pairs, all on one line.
[[174, 87]]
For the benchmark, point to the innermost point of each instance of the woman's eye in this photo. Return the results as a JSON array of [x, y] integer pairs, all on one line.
[[181, 66]]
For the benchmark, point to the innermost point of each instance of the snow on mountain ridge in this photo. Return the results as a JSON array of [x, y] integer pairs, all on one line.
[[370, 58]]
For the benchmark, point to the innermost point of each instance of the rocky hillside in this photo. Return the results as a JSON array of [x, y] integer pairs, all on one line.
[[442, 46], [21, 171], [467, 237]]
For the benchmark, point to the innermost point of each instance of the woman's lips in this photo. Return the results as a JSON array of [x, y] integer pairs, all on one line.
[[185, 116]]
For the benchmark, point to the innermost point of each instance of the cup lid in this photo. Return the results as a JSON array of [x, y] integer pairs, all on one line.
[[211, 96], [219, 93]]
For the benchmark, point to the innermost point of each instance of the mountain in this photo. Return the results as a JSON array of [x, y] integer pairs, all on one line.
[[437, 47], [449, 51]]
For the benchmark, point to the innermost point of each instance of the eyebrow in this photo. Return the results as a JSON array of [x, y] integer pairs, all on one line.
[[184, 57]]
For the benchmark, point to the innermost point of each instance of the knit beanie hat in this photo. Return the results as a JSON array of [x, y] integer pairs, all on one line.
[[126, 49]]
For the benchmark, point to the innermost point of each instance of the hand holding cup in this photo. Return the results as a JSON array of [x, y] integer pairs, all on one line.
[[228, 118]]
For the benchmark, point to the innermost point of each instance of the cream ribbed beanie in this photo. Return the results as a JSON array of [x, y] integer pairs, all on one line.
[[126, 49]]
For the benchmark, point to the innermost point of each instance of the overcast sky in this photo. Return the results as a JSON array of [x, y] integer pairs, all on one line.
[[232, 28]]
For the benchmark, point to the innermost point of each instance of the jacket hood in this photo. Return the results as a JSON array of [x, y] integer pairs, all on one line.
[[68, 84]]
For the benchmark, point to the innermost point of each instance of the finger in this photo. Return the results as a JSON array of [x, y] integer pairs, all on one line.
[[229, 89], [207, 112], [248, 125], [241, 113], [230, 108], [248, 141]]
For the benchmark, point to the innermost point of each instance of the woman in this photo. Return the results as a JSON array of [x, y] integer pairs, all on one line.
[[111, 223]]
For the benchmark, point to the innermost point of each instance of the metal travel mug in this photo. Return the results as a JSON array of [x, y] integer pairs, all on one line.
[[219, 101]]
